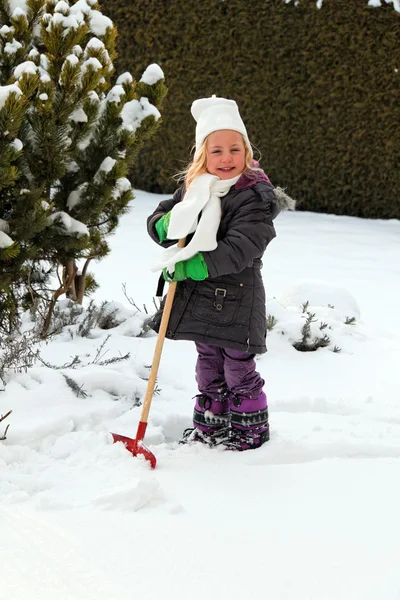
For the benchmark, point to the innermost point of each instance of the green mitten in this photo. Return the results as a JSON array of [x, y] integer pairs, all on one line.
[[162, 227], [193, 268], [179, 273], [196, 267]]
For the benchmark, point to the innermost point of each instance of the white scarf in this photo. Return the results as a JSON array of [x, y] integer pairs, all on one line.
[[203, 196]]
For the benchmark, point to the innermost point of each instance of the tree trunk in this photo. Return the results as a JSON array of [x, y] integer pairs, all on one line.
[[80, 282], [71, 270], [65, 287]]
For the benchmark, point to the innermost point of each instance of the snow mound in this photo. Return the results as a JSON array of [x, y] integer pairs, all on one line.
[[321, 294]]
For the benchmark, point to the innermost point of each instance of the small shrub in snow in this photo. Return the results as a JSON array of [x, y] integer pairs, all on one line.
[[72, 364], [317, 293], [77, 389], [99, 359], [65, 314], [97, 316], [89, 321], [350, 321], [106, 320], [17, 353], [308, 342], [271, 322], [68, 316], [114, 315], [313, 315]]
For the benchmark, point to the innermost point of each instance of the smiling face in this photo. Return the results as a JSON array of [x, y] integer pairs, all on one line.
[[225, 153]]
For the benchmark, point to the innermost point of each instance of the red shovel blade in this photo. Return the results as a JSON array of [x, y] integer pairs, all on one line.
[[135, 447]]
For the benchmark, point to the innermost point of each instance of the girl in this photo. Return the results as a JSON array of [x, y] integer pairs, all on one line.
[[225, 209]]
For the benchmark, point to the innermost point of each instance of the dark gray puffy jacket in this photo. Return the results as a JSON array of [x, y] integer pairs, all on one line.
[[228, 308]]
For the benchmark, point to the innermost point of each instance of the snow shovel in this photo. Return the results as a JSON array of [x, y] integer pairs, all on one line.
[[136, 446]]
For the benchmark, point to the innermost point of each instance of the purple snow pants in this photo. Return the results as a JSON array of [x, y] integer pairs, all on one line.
[[221, 368], [231, 397]]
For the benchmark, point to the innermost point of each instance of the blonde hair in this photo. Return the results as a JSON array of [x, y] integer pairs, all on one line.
[[199, 164]]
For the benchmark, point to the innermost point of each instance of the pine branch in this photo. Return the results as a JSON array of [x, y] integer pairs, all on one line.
[[306, 344]]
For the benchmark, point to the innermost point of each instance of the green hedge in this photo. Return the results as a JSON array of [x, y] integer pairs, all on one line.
[[318, 90]]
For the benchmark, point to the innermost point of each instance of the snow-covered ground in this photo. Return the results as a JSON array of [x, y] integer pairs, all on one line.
[[312, 515]]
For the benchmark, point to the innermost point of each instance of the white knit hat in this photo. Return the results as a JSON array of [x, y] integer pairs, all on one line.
[[214, 114]]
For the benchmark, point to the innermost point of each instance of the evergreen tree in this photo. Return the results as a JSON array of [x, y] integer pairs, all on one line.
[[78, 132], [22, 216]]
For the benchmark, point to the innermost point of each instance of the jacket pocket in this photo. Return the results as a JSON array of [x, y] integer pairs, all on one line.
[[217, 303]]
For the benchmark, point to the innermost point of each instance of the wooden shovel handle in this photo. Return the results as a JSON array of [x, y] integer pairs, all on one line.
[[159, 346]]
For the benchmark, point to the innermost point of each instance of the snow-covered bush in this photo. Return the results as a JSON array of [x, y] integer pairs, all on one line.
[[313, 315], [17, 353], [23, 350], [73, 320], [70, 130]]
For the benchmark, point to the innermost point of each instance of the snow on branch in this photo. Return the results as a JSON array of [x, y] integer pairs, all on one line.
[[122, 185], [135, 111], [6, 90], [12, 47], [74, 197], [106, 166], [71, 226], [5, 240], [99, 23], [378, 3], [26, 67], [152, 74], [125, 78]]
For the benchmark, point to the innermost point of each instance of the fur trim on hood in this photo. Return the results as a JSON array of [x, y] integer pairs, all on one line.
[[283, 200], [249, 178]]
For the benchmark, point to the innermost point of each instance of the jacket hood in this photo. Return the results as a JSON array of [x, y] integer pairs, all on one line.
[[250, 178]]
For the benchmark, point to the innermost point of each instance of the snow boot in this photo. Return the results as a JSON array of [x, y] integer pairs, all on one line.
[[210, 420], [249, 422]]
